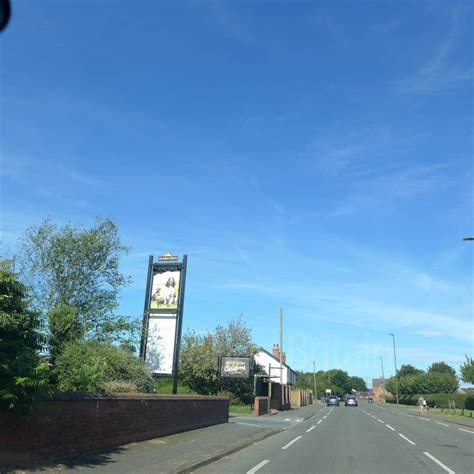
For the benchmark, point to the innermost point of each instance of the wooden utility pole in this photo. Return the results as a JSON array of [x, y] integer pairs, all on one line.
[[281, 345]]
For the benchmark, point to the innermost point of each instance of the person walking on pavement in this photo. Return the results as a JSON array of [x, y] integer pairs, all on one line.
[[420, 404], [425, 406]]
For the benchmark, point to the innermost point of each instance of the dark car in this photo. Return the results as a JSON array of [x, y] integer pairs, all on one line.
[[351, 401], [332, 401], [370, 400]]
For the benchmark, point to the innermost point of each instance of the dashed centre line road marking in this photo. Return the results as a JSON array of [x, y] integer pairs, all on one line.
[[467, 431], [291, 442], [380, 421], [439, 423], [406, 439], [439, 463], [388, 426], [425, 419], [310, 429], [258, 466], [319, 422]]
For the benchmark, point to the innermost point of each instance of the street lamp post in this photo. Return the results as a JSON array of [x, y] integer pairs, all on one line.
[[396, 370], [314, 378], [383, 381]]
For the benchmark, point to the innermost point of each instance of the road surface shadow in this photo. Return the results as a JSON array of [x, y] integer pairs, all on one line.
[[58, 463]]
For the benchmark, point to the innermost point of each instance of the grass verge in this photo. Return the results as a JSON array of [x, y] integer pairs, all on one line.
[[240, 409], [437, 411]]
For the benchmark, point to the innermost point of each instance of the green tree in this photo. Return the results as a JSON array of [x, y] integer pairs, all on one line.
[[64, 328], [441, 368], [407, 369], [199, 359], [391, 385], [358, 383], [73, 267], [23, 377], [424, 383], [340, 381], [467, 370]]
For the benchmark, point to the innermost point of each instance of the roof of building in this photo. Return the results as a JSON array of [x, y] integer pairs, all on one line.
[[274, 358]]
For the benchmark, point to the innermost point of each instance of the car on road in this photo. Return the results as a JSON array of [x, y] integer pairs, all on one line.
[[351, 401], [332, 401], [370, 400]]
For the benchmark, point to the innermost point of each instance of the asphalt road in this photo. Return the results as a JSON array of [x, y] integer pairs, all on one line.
[[367, 439]]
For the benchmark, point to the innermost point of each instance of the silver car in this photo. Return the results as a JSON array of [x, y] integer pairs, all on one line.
[[351, 401]]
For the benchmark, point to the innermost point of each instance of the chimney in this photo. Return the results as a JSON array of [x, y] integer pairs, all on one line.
[[283, 358], [276, 351]]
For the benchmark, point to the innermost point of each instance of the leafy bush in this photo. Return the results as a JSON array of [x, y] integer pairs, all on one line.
[[120, 386], [23, 377], [469, 401], [233, 399], [440, 400], [88, 366]]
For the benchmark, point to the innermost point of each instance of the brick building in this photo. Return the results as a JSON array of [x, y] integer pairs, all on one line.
[[378, 389]]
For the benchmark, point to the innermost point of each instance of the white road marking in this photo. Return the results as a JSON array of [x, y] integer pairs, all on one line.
[[287, 419], [325, 416], [406, 439], [411, 416], [425, 419], [310, 429], [298, 420], [258, 466], [467, 431], [319, 422], [439, 463], [380, 421], [439, 423], [388, 426], [246, 424], [291, 442]]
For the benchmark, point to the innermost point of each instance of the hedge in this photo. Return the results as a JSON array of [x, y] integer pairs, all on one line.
[[440, 400]]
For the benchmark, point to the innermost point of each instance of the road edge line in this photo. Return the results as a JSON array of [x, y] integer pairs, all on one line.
[[187, 468]]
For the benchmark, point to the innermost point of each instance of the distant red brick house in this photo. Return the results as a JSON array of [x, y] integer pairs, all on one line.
[[378, 389]]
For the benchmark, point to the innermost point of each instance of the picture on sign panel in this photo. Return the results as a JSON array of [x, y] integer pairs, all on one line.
[[165, 290], [235, 367], [160, 345]]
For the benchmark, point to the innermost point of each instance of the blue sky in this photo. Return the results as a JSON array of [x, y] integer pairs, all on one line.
[[312, 155]]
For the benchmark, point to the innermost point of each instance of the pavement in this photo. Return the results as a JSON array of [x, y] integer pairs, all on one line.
[[184, 452], [365, 439]]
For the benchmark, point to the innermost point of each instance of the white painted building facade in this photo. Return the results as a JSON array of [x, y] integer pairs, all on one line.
[[271, 366]]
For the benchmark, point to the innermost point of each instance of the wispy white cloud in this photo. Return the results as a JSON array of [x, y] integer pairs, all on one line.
[[370, 170], [414, 354], [438, 72]]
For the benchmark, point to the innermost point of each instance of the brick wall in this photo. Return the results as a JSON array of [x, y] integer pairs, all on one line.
[[85, 425], [261, 406]]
